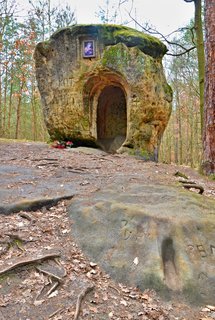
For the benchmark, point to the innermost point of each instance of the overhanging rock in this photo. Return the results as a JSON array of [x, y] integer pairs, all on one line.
[[104, 86]]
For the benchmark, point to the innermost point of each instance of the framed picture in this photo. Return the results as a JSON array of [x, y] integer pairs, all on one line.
[[88, 49]]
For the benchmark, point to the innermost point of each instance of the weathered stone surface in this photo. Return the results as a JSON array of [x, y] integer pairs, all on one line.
[[150, 236], [29, 189], [119, 91]]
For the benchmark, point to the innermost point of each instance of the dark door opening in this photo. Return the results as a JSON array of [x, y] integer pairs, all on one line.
[[111, 118]]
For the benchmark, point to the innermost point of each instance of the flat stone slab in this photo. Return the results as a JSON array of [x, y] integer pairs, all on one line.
[[29, 189], [150, 236]]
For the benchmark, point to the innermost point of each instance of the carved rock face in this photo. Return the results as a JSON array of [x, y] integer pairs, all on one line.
[[104, 85], [150, 236]]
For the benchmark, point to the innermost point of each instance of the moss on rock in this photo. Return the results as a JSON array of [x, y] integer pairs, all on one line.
[[113, 34], [127, 64]]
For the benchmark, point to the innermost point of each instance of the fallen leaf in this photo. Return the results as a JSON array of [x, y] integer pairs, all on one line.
[[53, 294], [38, 302], [96, 295], [93, 309], [212, 308], [93, 271], [93, 265], [125, 290], [105, 297], [65, 231], [145, 296], [124, 303]]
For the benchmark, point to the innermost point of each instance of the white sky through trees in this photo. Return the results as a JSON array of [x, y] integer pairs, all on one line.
[[165, 15]]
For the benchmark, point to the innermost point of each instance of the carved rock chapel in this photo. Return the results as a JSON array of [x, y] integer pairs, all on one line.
[[104, 86]]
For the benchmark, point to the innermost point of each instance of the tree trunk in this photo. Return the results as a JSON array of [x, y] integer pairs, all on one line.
[[200, 54], [18, 111], [0, 102], [5, 98], [209, 108], [33, 109]]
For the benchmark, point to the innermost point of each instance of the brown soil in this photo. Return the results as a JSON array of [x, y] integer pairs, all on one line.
[[26, 292]]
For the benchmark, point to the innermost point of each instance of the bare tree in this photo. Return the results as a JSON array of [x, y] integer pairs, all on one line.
[[110, 11]]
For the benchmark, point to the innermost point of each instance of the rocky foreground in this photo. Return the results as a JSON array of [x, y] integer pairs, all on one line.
[[44, 273]]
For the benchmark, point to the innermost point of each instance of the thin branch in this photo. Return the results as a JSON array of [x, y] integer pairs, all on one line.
[[55, 312], [164, 38], [79, 301], [181, 53], [52, 289]]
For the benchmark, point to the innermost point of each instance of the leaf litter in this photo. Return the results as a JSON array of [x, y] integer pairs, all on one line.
[[68, 285]]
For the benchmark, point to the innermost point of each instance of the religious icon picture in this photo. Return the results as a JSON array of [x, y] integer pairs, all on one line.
[[88, 49]]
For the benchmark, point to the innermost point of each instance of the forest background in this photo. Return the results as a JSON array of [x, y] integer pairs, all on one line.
[[20, 108]]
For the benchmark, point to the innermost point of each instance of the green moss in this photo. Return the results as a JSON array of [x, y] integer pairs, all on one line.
[[113, 34], [130, 63], [192, 294], [3, 277], [131, 152], [142, 154], [151, 281], [212, 177], [43, 48], [168, 91], [116, 57], [18, 243]]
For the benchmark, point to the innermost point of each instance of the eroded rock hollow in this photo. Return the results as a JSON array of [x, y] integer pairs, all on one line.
[[104, 86]]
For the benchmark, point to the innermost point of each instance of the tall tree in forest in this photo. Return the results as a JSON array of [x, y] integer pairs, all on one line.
[[20, 112], [110, 11], [209, 109], [184, 125], [199, 40], [49, 18], [7, 9]]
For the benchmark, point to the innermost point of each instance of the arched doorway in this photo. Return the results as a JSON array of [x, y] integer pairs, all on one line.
[[111, 118]]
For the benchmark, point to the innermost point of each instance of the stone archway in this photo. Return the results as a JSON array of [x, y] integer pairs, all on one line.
[[111, 118]]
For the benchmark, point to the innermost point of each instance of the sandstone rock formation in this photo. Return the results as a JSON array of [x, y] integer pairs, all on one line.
[[104, 85], [150, 236]]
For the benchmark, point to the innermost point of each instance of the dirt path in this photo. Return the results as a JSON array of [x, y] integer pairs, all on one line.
[[53, 288]]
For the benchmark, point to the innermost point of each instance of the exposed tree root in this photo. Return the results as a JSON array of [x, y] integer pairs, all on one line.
[[187, 181], [112, 287], [5, 249], [27, 216], [52, 289], [79, 301], [56, 312], [32, 204], [50, 274], [194, 186], [180, 174], [188, 184], [16, 237], [26, 261]]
